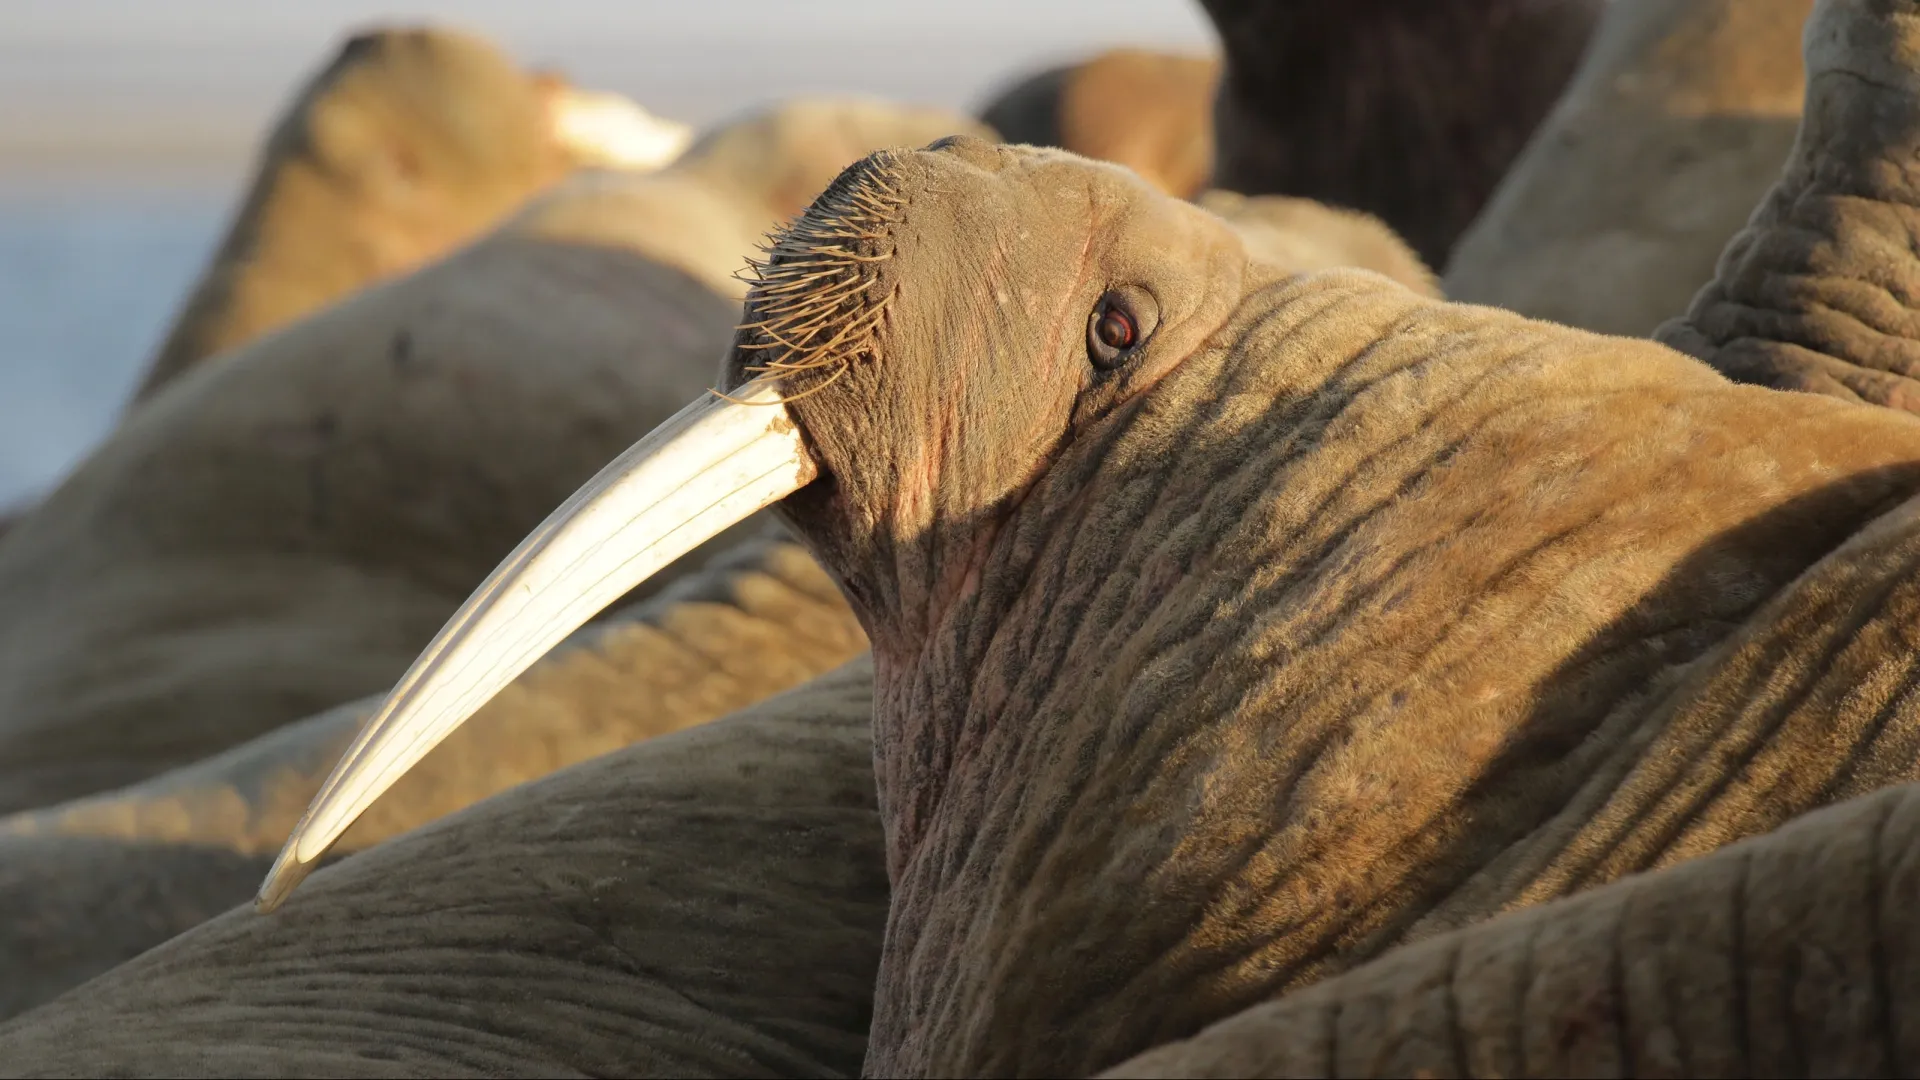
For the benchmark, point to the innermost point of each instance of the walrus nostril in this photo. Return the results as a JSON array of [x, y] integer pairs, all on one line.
[[969, 148]]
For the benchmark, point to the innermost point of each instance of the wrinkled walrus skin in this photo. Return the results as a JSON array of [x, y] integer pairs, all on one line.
[[1819, 291], [281, 533], [1328, 618], [1792, 954], [88, 884], [1613, 217], [1411, 110], [707, 903], [406, 144]]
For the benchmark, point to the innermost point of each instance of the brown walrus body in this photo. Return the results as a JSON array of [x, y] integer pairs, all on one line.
[[405, 145], [1405, 611], [276, 534], [1410, 110], [1790, 954], [1150, 111], [1298, 235], [1613, 216], [704, 904]]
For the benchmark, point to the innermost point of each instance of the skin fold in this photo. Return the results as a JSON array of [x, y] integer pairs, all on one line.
[[280, 533], [1613, 216], [405, 145], [565, 929], [1411, 110], [88, 884], [1817, 293], [1147, 110], [1791, 954]]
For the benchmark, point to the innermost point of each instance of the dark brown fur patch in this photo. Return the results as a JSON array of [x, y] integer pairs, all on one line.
[[1410, 110]]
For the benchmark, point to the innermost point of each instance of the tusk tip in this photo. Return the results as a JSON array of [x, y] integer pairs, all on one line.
[[289, 870]]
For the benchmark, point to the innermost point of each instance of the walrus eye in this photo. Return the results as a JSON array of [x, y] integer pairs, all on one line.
[[1121, 322]]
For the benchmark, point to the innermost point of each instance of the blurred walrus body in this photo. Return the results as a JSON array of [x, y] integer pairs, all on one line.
[[405, 145], [1408, 109], [93, 882], [1301, 235], [1150, 111], [1614, 216], [280, 532]]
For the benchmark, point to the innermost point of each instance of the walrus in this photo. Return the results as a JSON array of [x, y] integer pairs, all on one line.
[[1411, 110], [1146, 109], [1614, 215], [406, 144], [1231, 626], [280, 532]]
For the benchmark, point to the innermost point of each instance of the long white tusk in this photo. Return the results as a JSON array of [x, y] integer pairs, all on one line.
[[715, 462], [608, 130]]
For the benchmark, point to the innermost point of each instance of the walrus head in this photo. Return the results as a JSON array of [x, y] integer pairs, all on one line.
[[867, 387], [897, 334]]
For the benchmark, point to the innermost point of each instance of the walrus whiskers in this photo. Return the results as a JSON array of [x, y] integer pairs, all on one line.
[[817, 297]]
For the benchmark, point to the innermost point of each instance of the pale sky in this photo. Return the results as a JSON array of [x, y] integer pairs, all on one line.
[[203, 77]]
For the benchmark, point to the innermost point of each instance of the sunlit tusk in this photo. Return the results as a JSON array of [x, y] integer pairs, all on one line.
[[715, 462], [607, 129]]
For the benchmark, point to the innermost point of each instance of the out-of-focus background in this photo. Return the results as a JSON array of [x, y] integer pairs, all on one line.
[[127, 127]]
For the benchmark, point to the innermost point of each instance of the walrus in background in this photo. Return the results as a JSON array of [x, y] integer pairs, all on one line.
[[711, 209], [1614, 215], [1411, 110], [1300, 235], [87, 884], [408, 143], [1150, 111], [280, 532]]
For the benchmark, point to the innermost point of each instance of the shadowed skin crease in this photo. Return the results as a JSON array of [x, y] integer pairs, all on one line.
[[1329, 617]]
